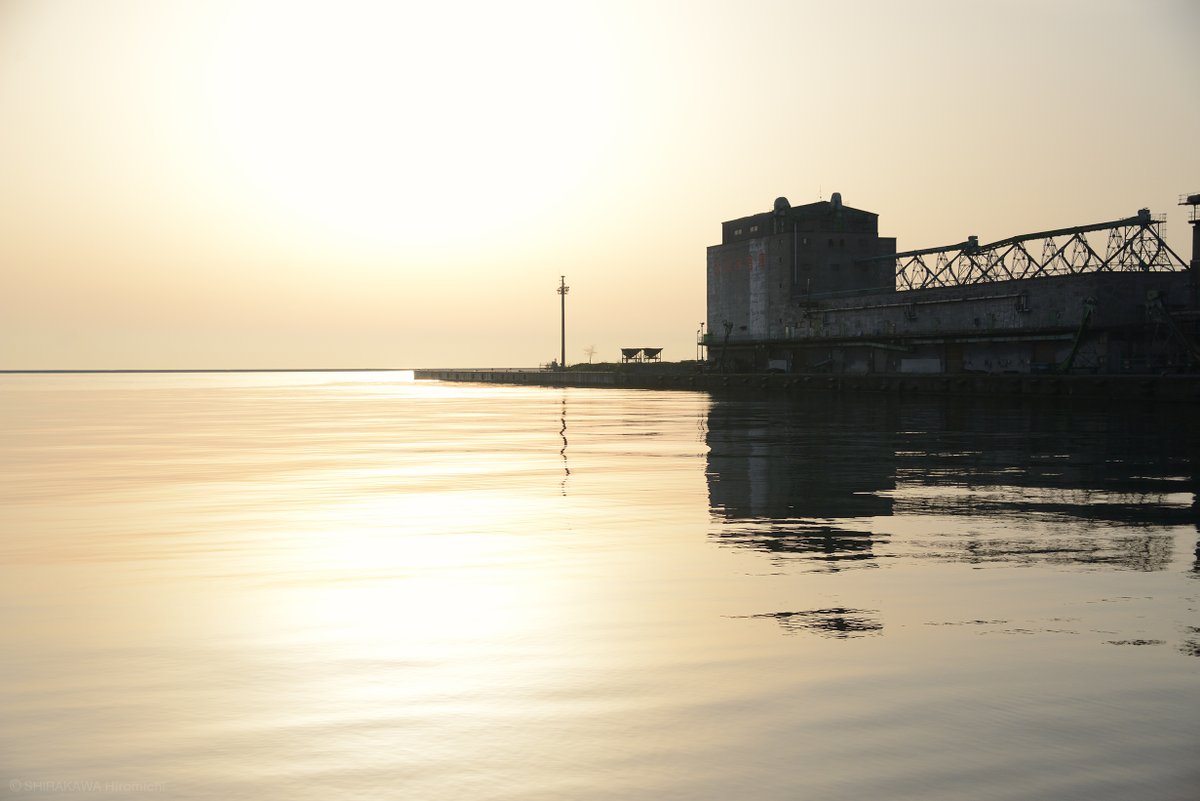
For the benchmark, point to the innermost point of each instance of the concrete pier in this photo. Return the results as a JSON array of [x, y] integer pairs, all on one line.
[[1180, 388]]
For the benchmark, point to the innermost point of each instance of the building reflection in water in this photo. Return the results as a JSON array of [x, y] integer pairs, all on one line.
[[801, 480], [833, 482], [837, 622], [827, 479]]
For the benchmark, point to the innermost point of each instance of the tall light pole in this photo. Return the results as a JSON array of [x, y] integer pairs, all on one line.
[[563, 289]]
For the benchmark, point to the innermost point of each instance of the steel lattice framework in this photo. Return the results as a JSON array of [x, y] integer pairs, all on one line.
[[1133, 244]]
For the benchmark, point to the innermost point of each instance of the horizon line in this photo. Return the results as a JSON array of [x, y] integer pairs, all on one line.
[[219, 370]]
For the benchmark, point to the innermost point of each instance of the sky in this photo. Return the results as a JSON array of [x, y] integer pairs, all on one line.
[[296, 184]]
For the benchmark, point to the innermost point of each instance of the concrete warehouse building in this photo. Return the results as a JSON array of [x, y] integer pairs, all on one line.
[[814, 288]]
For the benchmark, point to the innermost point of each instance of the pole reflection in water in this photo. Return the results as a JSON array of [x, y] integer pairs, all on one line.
[[563, 451], [345, 585]]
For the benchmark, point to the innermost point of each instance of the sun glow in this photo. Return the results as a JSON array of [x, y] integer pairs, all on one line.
[[370, 123]]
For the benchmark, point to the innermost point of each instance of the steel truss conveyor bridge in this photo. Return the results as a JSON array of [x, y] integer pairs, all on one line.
[[1134, 244]]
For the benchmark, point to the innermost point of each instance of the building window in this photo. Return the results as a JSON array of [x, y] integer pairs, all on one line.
[[737, 231], [753, 229]]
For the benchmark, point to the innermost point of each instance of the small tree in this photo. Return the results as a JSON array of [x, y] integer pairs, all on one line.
[[590, 351]]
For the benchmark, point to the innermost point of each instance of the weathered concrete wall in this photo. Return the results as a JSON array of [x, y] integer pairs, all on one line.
[[767, 263], [1016, 326], [739, 289], [827, 255], [759, 290], [755, 285], [989, 309]]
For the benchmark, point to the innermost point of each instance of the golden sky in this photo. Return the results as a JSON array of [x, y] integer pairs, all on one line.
[[341, 184]]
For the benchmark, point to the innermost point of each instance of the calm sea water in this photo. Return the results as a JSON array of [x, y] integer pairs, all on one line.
[[335, 586]]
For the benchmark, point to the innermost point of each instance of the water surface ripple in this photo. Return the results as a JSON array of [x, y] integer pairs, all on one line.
[[350, 585]]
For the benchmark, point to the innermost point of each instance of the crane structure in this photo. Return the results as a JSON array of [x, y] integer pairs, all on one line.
[[1134, 244]]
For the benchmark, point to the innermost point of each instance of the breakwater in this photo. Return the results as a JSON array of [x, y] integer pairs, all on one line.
[[1181, 388]]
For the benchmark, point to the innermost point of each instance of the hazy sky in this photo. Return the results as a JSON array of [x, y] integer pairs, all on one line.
[[290, 184]]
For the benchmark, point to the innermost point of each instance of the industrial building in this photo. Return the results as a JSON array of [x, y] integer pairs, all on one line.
[[814, 288]]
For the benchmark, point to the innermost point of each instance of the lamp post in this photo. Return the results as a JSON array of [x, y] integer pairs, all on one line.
[[563, 289]]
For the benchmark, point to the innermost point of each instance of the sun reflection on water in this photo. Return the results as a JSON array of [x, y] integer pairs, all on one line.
[[275, 586]]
